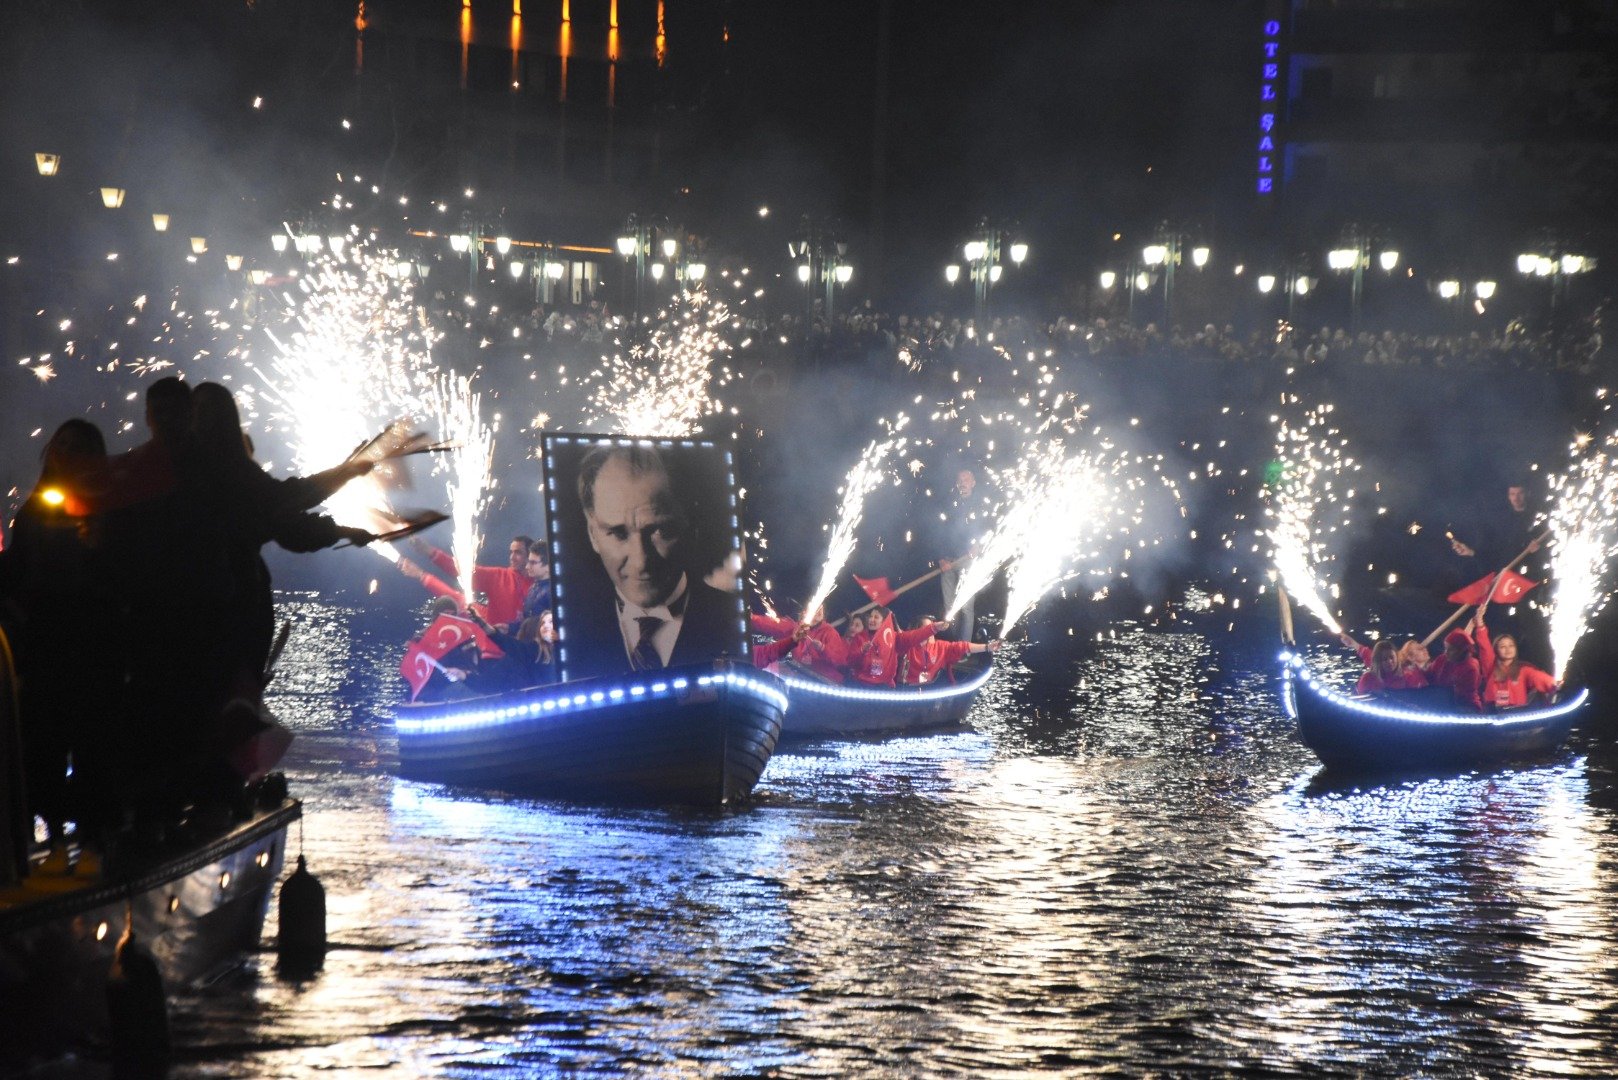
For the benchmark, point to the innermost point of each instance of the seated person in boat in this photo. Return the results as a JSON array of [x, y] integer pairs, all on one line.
[[528, 661], [1414, 658], [933, 657], [878, 663], [1385, 668], [821, 652], [856, 638], [506, 587], [776, 651], [1457, 670], [1507, 682]]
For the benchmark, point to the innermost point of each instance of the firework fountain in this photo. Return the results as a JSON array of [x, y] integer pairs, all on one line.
[[1312, 484], [1584, 523], [868, 472], [455, 408], [663, 388], [1066, 499]]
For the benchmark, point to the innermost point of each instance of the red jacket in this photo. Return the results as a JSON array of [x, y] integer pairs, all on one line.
[[1505, 693], [879, 662], [926, 661], [1371, 682], [506, 588], [767, 654], [822, 651], [1461, 676]]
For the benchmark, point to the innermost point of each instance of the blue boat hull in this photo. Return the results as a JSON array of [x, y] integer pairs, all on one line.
[[693, 736], [823, 710], [1353, 734]]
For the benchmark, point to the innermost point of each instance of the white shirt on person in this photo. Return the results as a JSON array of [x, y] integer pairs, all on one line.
[[664, 637]]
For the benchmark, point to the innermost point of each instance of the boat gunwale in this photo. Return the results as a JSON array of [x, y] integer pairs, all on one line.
[[31, 912]]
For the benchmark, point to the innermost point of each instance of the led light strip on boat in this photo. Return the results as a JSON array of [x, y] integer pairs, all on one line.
[[1296, 669], [579, 700], [834, 690]]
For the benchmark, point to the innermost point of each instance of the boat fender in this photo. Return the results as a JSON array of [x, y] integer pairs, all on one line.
[[302, 941], [137, 1010]]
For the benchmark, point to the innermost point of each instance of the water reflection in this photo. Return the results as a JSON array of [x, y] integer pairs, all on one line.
[[1128, 863]]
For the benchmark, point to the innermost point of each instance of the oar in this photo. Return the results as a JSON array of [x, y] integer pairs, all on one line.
[[275, 651], [1286, 615], [1493, 585], [900, 591]]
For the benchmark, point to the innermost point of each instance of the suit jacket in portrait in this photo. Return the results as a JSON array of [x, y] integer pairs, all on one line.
[[592, 646]]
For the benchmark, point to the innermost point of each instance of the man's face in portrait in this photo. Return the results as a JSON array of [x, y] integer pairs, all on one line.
[[635, 530], [517, 556], [965, 482], [1517, 495], [537, 568]]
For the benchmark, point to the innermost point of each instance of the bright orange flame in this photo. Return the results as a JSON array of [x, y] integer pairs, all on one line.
[[466, 38], [612, 14], [662, 44], [564, 50], [516, 46], [52, 497], [516, 9], [566, 6], [359, 17]]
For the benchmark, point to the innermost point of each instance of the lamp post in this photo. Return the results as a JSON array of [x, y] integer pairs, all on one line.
[[983, 254], [1293, 283], [468, 243], [820, 254], [1554, 260], [636, 244], [1168, 250], [1353, 254]]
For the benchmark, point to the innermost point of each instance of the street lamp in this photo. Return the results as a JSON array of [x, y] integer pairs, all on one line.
[[983, 266], [820, 252], [112, 197], [1556, 262], [635, 243], [47, 164], [1354, 255], [1167, 250], [160, 222]]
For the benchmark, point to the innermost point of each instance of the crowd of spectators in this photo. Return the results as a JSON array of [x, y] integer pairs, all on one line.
[[871, 337]]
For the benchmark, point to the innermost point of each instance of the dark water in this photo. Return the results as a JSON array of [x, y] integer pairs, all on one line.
[[1127, 865]]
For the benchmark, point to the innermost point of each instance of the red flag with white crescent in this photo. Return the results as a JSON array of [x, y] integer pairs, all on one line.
[[446, 634], [1511, 589], [877, 589]]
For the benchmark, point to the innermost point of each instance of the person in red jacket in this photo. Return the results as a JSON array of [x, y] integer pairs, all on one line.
[[856, 639], [929, 659], [1384, 668], [505, 586], [821, 651], [879, 662], [1506, 681], [1457, 669], [773, 651]]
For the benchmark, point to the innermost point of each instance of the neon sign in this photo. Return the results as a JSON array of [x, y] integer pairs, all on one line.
[[1271, 76]]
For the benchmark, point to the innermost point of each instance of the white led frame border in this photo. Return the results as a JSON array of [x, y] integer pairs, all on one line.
[[1296, 668], [555, 701], [551, 510], [833, 690]]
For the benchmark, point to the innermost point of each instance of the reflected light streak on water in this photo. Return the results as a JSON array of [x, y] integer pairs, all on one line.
[[1127, 863]]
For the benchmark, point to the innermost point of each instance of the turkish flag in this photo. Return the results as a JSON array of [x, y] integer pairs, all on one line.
[[1511, 589], [877, 589], [446, 634]]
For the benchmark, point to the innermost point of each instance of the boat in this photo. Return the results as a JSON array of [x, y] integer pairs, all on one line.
[[696, 735], [1354, 733], [194, 904], [823, 710]]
